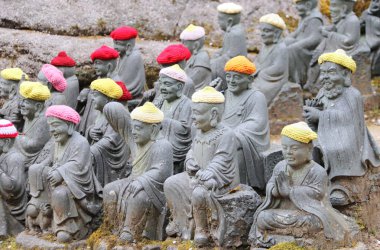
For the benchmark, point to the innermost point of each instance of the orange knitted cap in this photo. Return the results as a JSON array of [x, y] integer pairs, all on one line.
[[240, 64]]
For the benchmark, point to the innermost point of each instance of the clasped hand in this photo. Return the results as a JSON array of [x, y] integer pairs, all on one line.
[[54, 177], [135, 187], [283, 185]]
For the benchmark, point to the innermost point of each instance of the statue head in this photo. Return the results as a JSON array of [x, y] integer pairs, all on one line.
[[207, 108], [62, 120], [33, 97], [271, 28], [64, 63], [174, 54], [172, 80], [105, 61], [8, 133], [9, 81], [52, 77], [229, 15], [146, 123], [374, 8], [304, 7], [104, 91], [340, 8], [124, 39], [239, 74], [336, 69], [297, 146], [193, 37]]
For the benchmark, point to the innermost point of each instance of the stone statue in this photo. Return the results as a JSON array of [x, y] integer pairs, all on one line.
[[64, 190], [104, 60], [302, 42], [67, 65], [135, 206], [337, 115], [13, 197], [370, 20], [176, 126], [56, 82], [234, 40], [211, 172], [109, 151], [246, 113], [272, 61], [130, 67], [297, 201], [198, 67]]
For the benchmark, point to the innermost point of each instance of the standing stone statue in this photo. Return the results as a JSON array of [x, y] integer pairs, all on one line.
[[337, 115], [64, 190], [109, 151], [302, 42], [130, 67], [104, 60], [211, 172], [297, 201], [234, 40], [135, 206], [272, 61], [67, 65], [56, 82], [246, 113], [13, 196], [198, 67]]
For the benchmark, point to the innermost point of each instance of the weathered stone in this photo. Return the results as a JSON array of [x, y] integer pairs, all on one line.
[[152, 247], [33, 242], [270, 159]]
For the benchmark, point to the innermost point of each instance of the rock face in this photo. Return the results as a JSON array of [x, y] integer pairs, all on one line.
[[27, 241]]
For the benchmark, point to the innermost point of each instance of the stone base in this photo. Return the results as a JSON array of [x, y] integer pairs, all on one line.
[[27, 241]]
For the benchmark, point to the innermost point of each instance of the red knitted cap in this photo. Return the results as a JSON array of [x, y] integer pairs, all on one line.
[[124, 33], [63, 60], [126, 94], [104, 53], [174, 54]]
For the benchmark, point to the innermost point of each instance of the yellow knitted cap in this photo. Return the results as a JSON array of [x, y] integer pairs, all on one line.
[[229, 8], [108, 87], [208, 95], [35, 91], [339, 57], [273, 19], [299, 131], [147, 113], [13, 74]]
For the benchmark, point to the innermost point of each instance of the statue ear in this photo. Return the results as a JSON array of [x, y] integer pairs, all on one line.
[[214, 117], [230, 23], [197, 44], [155, 130], [40, 107], [251, 78], [179, 89]]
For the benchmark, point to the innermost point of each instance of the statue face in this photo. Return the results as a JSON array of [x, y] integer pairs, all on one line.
[[374, 7], [237, 82], [170, 88], [42, 78], [337, 12], [296, 153], [141, 132], [189, 44], [202, 116], [120, 46], [303, 8], [332, 78], [58, 129], [269, 33], [100, 100], [223, 21], [101, 68], [28, 108], [5, 88]]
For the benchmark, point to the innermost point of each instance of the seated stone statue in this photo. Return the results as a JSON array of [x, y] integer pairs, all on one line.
[[67, 65], [272, 61], [234, 40], [135, 206], [337, 116], [56, 82], [297, 195], [211, 171], [302, 42], [109, 151], [64, 190], [104, 61], [198, 67], [176, 126], [13, 196], [130, 67], [246, 113]]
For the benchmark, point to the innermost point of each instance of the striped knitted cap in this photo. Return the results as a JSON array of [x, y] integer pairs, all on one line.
[[299, 131], [7, 129]]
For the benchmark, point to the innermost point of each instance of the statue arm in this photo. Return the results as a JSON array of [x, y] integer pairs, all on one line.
[[315, 185], [349, 37], [199, 73], [13, 180], [314, 35], [278, 66], [36, 141]]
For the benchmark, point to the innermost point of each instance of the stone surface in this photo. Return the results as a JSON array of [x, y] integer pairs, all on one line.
[[270, 158]]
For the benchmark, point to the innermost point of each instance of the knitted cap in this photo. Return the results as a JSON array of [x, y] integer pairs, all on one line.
[[240, 64], [63, 112], [14, 74], [124, 33], [108, 87], [7, 129], [34, 91], [339, 57], [104, 53], [147, 113], [174, 72], [299, 131], [192, 33], [62, 60], [208, 95], [273, 19], [55, 77], [229, 8], [126, 94], [174, 54]]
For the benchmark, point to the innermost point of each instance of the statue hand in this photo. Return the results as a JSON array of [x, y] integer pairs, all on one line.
[[204, 175], [135, 187], [311, 114], [95, 134], [216, 83], [55, 178], [149, 95], [191, 167], [210, 184], [283, 185], [83, 95]]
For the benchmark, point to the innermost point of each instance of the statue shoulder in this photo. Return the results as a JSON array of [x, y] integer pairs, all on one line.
[[162, 145], [280, 166], [352, 18], [318, 170], [237, 30], [259, 97], [79, 140]]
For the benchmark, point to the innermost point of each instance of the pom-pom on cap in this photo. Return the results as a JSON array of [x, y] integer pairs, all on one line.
[[147, 113], [63, 60], [229, 8], [207, 95], [7, 129], [55, 77], [124, 33], [174, 72], [63, 112], [192, 33], [240, 64], [13, 74], [104, 53], [174, 54], [126, 94], [299, 131], [273, 19], [339, 57], [35, 91], [108, 87]]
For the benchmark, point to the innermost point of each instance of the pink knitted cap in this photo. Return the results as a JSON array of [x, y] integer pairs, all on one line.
[[55, 77], [174, 72], [63, 112], [7, 129]]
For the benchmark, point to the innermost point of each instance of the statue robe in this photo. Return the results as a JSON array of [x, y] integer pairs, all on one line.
[[272, 70], [72, 91], [372, 36], [198, 68], [56, 98], [11, 110], [247, 116]]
